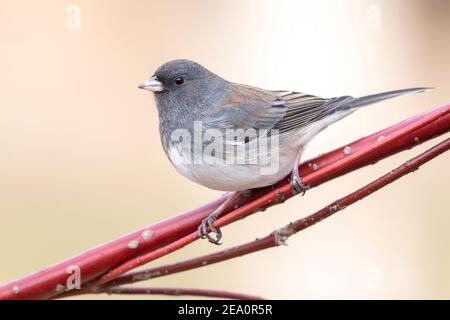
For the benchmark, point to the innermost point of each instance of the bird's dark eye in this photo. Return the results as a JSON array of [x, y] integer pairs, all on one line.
[[178, 81]]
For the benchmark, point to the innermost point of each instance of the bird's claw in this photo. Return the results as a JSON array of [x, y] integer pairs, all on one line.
[[203, 230], [297, 186]]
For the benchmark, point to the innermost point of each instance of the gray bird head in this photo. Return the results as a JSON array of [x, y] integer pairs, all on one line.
[[184, 85]]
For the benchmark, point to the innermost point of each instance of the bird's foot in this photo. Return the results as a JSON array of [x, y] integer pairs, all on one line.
[[297, 186], [209, 223]]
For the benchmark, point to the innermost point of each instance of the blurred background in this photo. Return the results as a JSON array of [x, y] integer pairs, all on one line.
[[81, 161]]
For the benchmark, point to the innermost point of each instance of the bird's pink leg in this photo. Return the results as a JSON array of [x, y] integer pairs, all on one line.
[[208, 222], [296, 181]]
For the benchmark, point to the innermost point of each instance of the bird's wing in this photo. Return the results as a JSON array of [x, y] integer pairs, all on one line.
[[255, 114], [247, 107], [303, 109]]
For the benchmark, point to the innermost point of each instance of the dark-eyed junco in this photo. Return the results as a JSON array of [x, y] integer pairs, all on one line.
[[234, 137]]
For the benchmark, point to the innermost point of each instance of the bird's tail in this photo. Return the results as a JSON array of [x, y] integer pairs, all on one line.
[[373, 98]]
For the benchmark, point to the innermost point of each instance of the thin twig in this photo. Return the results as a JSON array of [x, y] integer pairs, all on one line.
[[201, 261], [182, 292]]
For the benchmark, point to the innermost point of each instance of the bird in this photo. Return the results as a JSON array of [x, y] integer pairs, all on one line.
[[235, 137]]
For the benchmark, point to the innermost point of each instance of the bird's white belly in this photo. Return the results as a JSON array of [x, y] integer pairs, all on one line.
[[239, 177], [234, 177]]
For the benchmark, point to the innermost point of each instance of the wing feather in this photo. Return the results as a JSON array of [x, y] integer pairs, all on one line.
[[249, 107]]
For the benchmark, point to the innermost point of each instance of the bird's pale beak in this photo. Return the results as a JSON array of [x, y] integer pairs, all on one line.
[[151, 85]]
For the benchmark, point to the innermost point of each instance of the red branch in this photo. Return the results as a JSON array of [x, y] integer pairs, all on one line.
[[279, 237], [282, 191], [182, 292], [100, 260]]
